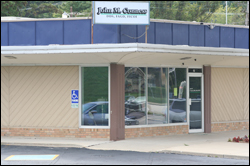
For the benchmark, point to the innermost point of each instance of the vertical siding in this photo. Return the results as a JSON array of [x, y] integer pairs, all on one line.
[[40, 96], [79, 32], [4, 34], [227, 94], [22, 33], [49, 32], [105, 33], [246, 94], [150, 33], [163, 33], [4, 96]]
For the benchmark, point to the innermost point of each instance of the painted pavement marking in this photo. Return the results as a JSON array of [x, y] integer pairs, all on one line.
[[32, 157]]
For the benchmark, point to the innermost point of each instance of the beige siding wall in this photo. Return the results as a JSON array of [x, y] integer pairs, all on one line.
[[40, 96], [230, 86], [5, 96], [246, 94]]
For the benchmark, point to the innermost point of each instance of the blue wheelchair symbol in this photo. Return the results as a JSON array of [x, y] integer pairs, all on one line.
[[74, 96]]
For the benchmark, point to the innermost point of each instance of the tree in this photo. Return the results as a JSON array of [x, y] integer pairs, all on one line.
[[33, 9], [234, 15], [244, 8], [12, 8], [41, 9], [83, 7], [199, 11]]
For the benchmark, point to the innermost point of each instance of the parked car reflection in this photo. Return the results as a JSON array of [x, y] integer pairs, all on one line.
[[96, 113], [195, 114], [178, 113]]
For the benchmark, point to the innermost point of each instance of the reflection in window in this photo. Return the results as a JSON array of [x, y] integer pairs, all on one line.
[[157, 95], [95, 96], [177, 95], [135, 96]]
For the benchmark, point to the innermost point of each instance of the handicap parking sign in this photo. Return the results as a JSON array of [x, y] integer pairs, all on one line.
[[74, 98]]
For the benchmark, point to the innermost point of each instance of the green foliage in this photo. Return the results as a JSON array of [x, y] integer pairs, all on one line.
[[42, 10], [157, 95], [199, 11], [157, 100], [235, 15], [77, 6], [12, 8], [32, 9]]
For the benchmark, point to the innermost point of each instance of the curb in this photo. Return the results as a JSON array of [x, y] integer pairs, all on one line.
[[206, 154], [42, 144]]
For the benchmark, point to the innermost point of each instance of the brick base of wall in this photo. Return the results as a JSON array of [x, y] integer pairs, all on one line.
[[229, 126], [129, 132], [68, 133], [155, 131]]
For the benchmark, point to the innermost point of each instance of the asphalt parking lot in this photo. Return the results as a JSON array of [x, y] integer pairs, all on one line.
[[84, 156]]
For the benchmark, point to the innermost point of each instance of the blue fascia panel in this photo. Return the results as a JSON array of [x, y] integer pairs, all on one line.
[[22, 33], [49, 32], [227, 37], [196, 35], [150, 33], [4, 34], [77, 32], [180, 34], [163, 33], [127, 32], [241, 38], [105, 33], [212, 37]]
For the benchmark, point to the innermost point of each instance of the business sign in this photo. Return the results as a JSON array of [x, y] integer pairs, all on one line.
[[74, 98], [121, 12]]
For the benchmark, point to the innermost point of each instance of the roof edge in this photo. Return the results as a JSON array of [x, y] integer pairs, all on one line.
[[84, 18], [125, 47]]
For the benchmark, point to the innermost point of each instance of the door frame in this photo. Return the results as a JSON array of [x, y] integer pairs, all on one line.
[[202, 100]]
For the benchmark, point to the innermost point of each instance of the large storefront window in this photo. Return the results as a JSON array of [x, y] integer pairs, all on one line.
[[157, 95], [177, 95], [95, 110], [135, 96]]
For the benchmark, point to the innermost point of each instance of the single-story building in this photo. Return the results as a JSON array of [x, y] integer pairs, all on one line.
[[189, 77]]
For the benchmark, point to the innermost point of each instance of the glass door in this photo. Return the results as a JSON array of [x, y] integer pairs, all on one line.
[[195, 103]]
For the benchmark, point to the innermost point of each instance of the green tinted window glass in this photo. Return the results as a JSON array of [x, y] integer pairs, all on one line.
[[95, 93]]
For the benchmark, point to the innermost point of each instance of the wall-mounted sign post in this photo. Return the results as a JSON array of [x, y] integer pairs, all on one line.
[[74, 98], [121, 12]]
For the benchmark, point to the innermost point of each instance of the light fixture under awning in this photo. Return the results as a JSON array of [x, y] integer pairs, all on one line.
[[185, 58], [10, 57]]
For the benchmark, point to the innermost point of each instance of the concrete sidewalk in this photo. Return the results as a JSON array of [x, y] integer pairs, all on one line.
[[201, 144]]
